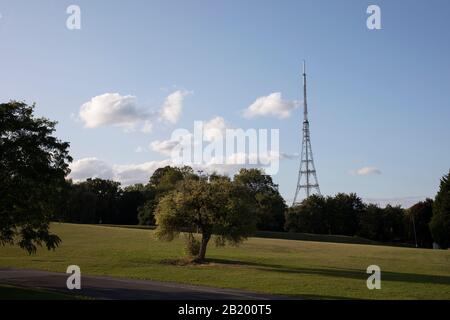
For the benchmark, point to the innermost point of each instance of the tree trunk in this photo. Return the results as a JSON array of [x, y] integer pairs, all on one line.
[[202, 253]]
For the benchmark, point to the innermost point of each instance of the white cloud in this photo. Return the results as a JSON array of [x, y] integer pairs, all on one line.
[[83, 169], [90, 168], [212, 129], [128, 174], [215, 128], [271, 105], [111, 109], [173, 106], [122, 111], [365, 171], [137, 173], [164, 147]]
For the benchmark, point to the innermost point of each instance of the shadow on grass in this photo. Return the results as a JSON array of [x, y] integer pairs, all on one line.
[[339, 273]]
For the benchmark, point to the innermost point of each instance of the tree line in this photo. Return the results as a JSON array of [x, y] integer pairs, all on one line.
[[100, 201], [423, 224]]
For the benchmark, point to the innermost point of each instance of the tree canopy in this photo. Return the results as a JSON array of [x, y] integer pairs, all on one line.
[[418, 218], [213, 207], [440, 222], [33, 167], [270, 205]]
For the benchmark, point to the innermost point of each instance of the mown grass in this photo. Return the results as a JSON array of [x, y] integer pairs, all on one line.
[[301, 268]]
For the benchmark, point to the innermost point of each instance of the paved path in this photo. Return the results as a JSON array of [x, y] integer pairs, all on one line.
[[100, 287]]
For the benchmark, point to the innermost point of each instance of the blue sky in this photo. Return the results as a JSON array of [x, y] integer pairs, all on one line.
[[377, 98]]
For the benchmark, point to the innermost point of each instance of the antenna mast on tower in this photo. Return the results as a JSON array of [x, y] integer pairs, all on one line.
[[307, 177]]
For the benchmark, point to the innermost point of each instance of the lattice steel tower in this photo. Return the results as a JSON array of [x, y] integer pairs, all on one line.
[[307, 177]]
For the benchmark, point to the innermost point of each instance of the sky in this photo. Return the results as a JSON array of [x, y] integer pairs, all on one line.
[[136, 71]]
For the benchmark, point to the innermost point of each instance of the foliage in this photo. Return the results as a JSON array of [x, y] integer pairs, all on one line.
[[393, 228], [219, 207], [270, 205], [192, 245], [343, 213], [33, 166], [162, 181], [330, 215], [166, 179], [346, 214], [146, 213], [417, 219], [310, 216], [370, 224], [440, 222]]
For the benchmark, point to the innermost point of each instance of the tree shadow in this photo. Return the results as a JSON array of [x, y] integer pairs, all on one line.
[[339, 273]]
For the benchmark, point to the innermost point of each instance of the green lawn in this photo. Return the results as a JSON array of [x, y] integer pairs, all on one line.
[[302, 268]]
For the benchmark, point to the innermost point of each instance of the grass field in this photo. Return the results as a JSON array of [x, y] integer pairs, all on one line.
[[301, 268]]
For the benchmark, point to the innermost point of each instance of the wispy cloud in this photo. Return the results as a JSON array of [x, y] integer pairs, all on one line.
[[213, 129], [289, 156], [164, 147], [173, 106], [365, 171]]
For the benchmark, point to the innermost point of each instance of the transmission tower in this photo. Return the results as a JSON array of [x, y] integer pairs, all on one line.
[[307, 177]]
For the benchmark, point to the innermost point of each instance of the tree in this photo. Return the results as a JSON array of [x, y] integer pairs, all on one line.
[[382, 224], [217, 207], [107, 194], [130, 200], [270, 204], [146, 213], [162, 181], [310, 216], [166, 179], [393, 228], [440, 222], [33, 166], [417, 220], [343, 213], [370, 222], [78, 204]]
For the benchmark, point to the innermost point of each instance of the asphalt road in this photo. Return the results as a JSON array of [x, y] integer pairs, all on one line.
[[100, 287]]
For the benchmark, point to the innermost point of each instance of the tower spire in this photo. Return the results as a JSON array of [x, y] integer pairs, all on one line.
[[307, 177], [305, 104]]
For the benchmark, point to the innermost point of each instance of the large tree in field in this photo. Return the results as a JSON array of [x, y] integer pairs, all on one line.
[[213, 207], [165, 179], [33, 166], [162, 181], [440, 222]]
